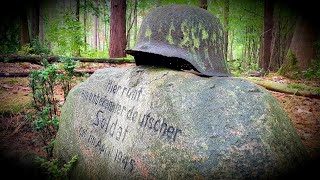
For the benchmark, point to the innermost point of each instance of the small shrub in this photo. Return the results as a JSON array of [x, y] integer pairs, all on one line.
[[314, 71], [55, 169], [38, 47], [290, 69], [42, 83]]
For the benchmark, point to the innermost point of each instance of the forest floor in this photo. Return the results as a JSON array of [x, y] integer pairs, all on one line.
[[18, 141]]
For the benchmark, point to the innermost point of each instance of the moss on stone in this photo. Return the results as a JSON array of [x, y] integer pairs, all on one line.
[[169, 36]]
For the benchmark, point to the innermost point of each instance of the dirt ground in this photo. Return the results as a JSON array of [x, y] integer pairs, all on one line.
[[19, 142]]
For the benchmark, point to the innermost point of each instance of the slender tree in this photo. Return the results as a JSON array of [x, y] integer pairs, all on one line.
[[24, 30], [78, 19], [117, 29], [41, 22], [35, 19], [85, 24], [135, 21], [268, 25], [96, 28], [226, 27]]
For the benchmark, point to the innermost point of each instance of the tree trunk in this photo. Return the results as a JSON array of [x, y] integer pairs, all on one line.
[[24, 30], [78, 19], [41, 23], [129, 27], [268, 24], [231, 46], [78, 10], [105, 26], [302, 43], [275, 43], [203, 4], [135, 22], [35, 19], [226, 24], [261, 55], [85, 24], [118, 29], [95, 32]]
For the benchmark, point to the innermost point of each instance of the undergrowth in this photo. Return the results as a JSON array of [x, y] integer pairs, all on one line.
[[45, 118]]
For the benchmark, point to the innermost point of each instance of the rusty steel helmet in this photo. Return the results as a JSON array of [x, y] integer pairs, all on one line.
[[183, 37]]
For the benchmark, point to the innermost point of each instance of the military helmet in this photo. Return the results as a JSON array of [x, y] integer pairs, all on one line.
[[181, 36]]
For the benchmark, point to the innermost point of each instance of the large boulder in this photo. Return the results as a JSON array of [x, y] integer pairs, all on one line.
[[144, 122]]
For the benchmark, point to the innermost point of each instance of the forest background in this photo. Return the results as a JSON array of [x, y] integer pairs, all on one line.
[[261, 35]]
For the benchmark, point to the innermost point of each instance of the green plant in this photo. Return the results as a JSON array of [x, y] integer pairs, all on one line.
[[68, 77], [296, 86], [290, 68], [42, 83], [314, 71], [57, 170], [25, 49], [9, 35], [66, 35], [38, 47]]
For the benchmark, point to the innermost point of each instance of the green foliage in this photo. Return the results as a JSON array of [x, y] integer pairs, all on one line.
[[42, 83], [35, 47], [314, 71], [290, 68], [25, 49], [90, 53], [296, 86], [55, 169], [9, 35], [67, 78], [66, 35], [38, 47]]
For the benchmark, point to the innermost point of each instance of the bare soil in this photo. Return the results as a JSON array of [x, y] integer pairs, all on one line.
[[19, 142]]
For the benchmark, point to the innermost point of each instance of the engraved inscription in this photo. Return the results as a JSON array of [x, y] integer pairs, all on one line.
[[124, 161], [113, 121], [144, 120]]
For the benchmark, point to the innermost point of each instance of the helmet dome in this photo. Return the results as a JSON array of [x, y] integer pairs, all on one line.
[[181, 36]]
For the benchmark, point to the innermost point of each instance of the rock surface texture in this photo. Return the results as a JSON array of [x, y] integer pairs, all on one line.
[[152, 123]]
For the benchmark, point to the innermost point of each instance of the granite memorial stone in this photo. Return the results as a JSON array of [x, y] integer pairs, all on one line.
[[153, 123]]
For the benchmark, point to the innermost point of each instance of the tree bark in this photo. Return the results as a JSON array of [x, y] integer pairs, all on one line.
[[35, 19], [131, 21], [78, 10], [24, 30], [226, 24], [85, 24], [302, 43], [78, 19], [231, 46], [203, 4], [117, 29], [95, 32], [268, 25], [41, 23], [135, 22]]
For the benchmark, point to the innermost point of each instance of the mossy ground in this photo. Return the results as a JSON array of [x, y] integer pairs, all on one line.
[[15, 95]]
